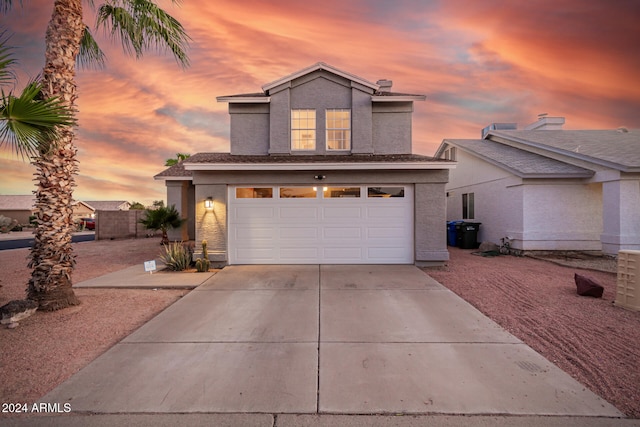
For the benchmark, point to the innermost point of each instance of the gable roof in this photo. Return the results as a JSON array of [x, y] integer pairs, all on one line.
[[377, 96], [320, 66], [519, 162], [17, 202], [617, 149], [106, 205]]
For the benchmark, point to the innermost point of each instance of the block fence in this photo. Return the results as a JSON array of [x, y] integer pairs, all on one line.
[[120, 225]]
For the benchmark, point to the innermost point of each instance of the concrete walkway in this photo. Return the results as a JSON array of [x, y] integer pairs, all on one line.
[[266, 345]]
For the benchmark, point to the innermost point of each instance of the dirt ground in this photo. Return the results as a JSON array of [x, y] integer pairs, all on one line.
[[591, 339], [47, 348]]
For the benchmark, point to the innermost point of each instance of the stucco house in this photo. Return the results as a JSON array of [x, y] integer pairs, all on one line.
[[320, 171], [547, 188]]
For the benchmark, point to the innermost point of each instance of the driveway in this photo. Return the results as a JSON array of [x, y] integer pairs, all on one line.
[[325, 339]]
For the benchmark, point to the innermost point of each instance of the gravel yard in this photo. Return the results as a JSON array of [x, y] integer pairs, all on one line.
[[591, 339], [594, 341]]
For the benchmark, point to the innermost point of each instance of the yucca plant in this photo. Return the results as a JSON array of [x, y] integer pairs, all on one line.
[[177, 256]]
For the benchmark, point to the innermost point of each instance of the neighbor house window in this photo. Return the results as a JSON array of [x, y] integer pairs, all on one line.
[[450, 154], [338, 128], [303, 129], [467, 206]]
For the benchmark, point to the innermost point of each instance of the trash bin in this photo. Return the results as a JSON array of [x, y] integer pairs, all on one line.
[[469, 235], [452, 232]]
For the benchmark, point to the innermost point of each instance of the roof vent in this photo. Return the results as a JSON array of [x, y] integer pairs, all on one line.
[[385, 85], [546, 123]]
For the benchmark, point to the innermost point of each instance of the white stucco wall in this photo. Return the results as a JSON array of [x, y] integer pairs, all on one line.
[[561, 216]]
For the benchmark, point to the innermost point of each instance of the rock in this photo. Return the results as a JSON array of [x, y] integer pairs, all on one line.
[[14, 311], [587, 287], [488, 247]]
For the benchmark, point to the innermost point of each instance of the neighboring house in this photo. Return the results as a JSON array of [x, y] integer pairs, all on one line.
[[82, 210], [547, 188], [320, 170], [21, 207], [109, 205]]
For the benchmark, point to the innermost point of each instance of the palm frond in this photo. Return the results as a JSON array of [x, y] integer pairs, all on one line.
[[28, 123], [141, 26], [6, 60], [90, 55]]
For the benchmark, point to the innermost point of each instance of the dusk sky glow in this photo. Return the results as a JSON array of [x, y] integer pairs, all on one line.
[[478, 62]]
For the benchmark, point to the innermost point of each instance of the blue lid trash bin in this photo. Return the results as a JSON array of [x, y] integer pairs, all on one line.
[[469, 235], [452, 232]]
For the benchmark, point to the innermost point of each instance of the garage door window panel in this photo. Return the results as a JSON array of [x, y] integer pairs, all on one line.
[[385, 192], [341, 192], [298, 192], [254, 193]]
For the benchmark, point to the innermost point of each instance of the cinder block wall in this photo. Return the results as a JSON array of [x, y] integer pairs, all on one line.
[[119, 224]]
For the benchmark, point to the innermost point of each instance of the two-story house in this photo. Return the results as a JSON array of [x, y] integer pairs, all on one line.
[[320, 171]]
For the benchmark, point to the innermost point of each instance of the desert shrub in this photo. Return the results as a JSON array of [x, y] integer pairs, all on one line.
[[177, 256]]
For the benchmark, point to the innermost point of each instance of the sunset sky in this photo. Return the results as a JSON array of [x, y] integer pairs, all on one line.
[[477, 62]]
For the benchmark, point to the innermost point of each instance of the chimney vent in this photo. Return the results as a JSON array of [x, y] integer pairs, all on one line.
[[385, 85]]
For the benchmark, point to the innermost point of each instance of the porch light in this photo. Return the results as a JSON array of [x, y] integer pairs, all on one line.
[[208, 203]]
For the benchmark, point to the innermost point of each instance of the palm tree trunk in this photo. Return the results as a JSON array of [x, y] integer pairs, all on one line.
[[52, 258]]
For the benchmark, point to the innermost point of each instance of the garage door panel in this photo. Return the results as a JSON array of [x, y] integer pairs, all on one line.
[[249, 233], [341, 232], [297, 233], [386, 212], [387, 253], [295, 253], [256, 254], [298, 213], [342, 213], [387, 233], [341, 254], [251, 213]]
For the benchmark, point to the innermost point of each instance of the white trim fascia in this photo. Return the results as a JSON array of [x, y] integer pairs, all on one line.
[[244, 99], [318, 166], [392, 98], [320, 66], [173, 178]]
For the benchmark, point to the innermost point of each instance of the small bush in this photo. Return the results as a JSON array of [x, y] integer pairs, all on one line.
[[176, 256]]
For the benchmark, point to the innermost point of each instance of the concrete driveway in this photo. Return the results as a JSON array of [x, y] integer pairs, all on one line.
[[325, 339]]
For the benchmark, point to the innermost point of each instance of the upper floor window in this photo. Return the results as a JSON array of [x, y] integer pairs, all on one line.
[[303, 129], [338, 129]]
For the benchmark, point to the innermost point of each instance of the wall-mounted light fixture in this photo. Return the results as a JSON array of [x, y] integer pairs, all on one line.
[[208, 203], [319, 177]]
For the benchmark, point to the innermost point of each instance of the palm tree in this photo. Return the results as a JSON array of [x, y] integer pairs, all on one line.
[[163, 218], [179, 158], [140, 25]]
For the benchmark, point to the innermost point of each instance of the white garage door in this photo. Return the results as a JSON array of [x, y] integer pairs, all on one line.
[[347, 224]]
